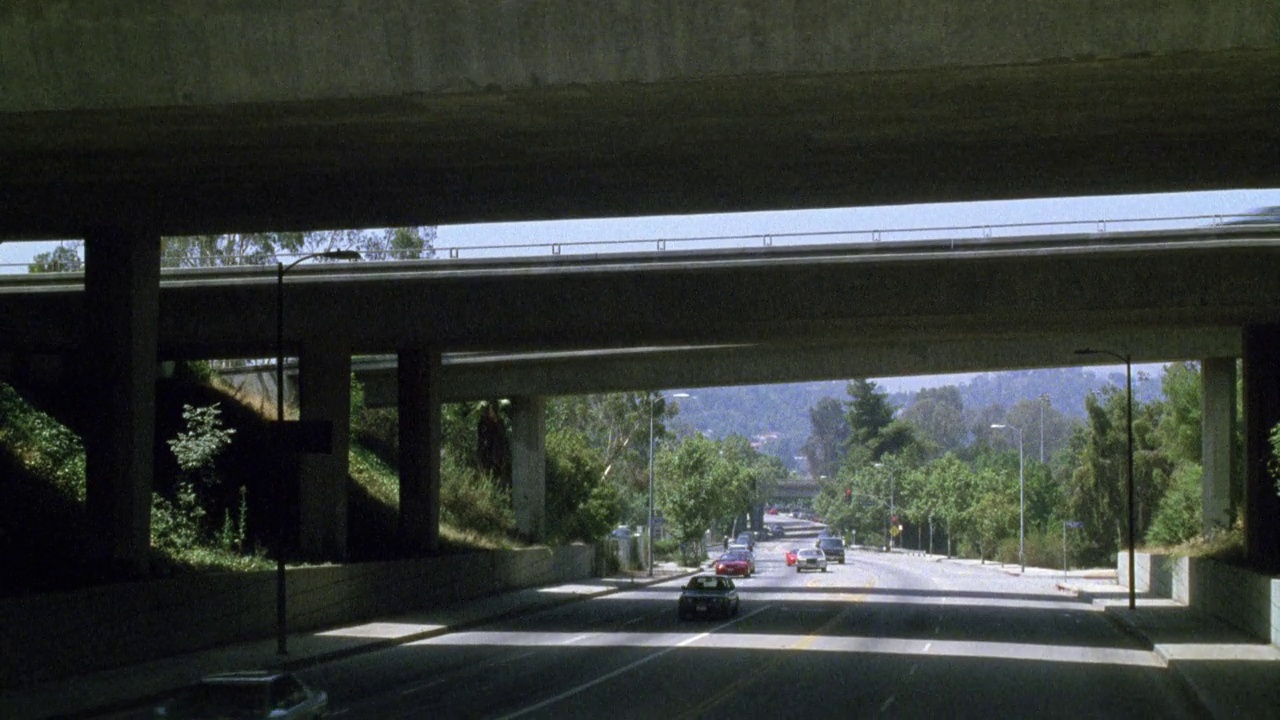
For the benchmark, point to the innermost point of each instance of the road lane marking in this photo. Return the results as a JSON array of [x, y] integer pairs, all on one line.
[[888, 703], [571, 641], [927, 646], [628, 668]]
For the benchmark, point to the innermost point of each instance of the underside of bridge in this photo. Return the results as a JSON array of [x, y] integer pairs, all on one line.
[[274, 117]]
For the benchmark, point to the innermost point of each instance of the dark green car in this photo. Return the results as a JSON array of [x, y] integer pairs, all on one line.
[[708, 596]]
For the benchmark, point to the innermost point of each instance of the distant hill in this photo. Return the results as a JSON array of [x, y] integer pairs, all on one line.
[[777, 416]]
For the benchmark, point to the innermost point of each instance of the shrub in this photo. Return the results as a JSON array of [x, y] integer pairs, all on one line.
[[1179, 516], [474, 500]]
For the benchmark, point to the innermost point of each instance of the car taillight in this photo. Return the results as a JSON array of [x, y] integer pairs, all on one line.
[[720, 566]]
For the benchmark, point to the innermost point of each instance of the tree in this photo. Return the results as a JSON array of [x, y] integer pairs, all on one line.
[[828, 434], [581, 504], [867, 413], [616, 427], [236, 249], [938, 414], [695, 487], [63, 258]]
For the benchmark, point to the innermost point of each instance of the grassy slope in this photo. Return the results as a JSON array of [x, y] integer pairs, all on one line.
[[44, 531]]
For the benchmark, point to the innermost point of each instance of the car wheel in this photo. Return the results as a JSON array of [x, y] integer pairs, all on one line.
[[824, 569]]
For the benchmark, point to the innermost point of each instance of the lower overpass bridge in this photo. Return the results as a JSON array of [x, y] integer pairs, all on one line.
[[532, 328]]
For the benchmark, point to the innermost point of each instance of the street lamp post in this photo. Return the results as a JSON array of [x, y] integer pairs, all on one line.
[[282, 625], [1022, 501], [1128, 391], [649, 531]]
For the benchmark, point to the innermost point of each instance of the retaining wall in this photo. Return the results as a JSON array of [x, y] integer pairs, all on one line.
[[50, 636], [1243, 599]]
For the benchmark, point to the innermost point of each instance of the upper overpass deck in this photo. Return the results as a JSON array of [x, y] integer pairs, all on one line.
[[729, 316]]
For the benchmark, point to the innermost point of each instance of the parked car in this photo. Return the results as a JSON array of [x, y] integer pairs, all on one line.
[[247, 694], [791, 556], [746, 538], [622, 532], [811, 559], [776, 530], [833, 547], [708, 595], [736, 562]]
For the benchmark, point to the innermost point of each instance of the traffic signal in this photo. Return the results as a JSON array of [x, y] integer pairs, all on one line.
[[848, 494], [895, 520]]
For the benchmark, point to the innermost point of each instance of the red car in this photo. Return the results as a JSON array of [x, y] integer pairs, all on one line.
[[736, 562], [773, 511], [791, 557]]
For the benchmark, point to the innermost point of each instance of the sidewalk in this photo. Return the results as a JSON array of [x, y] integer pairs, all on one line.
[[134, 686], [1232, 674]]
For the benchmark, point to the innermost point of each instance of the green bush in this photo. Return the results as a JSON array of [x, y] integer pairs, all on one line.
[[581, 505], [474, 500], [1179, 515]]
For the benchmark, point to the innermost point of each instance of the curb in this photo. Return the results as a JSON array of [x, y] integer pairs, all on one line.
[[383, 644]]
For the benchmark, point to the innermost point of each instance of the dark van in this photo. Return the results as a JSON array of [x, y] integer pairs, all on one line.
[[833, 548]]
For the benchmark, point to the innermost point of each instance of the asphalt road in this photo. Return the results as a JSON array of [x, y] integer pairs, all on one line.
[[882, 635]]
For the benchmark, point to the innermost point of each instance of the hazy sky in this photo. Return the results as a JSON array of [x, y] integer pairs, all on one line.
[[897, 222]]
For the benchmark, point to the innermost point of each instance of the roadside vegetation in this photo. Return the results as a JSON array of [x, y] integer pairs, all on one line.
[[951, 474]]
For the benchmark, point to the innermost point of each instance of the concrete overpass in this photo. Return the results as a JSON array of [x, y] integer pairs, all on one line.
[[640, 322], [182, 117], [129, 120]]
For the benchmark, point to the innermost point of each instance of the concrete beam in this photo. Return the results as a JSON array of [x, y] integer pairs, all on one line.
[[418, 397], [118, 385], [324, 384], [1261, 414], [474, 377], [1217, 439], [529, 465]]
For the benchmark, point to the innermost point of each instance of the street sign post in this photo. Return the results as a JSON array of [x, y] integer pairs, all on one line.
[[1067, 524]]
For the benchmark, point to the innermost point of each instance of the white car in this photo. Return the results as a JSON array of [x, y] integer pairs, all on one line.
[[811, 559]]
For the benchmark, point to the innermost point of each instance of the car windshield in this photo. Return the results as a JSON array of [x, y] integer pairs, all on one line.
[[705, 583], [832, 542], [229, 700], [810, 553], [735, 556]]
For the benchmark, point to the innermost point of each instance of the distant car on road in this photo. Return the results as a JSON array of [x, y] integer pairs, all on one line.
[[736, 562], [748, 539], [773, 511], [622, 532], [776, 530], [791, 556], [708, 595], [833, 547], [811, 559], [247, 695]]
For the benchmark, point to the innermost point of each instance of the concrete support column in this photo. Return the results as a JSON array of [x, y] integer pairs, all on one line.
[[418, 377], [1217, 434], [122, 301], [529, 465], [324, 385], [1261, 413]]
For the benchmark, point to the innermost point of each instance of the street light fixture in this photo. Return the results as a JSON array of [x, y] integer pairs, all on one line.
[[1022, 500], [649, 545], [282, 625], [1128, 391]]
